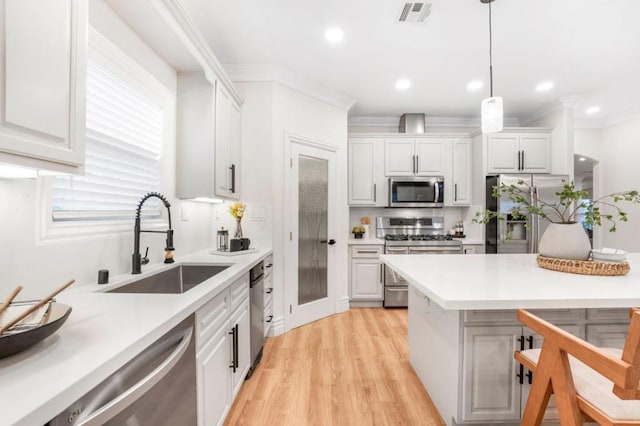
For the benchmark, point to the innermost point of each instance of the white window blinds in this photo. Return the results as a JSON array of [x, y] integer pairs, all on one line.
[[123, 151]]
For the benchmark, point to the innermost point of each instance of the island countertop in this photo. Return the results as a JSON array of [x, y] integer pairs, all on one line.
[[511, 281]]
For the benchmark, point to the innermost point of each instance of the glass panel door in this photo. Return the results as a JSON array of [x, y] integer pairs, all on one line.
[[312, 229]]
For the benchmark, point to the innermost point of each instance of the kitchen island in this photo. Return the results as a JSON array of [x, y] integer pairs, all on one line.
[[463, 330]]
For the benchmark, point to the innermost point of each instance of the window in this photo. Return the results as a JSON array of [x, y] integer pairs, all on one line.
[[129, 120]]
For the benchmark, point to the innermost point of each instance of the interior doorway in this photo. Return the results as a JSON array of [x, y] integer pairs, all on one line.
[[583, 172]]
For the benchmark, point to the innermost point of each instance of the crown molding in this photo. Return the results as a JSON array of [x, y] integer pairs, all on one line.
[[547, 109], [283, 76], [431, 122]]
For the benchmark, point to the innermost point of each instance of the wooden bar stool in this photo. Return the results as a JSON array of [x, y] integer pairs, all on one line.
[[589, 383]]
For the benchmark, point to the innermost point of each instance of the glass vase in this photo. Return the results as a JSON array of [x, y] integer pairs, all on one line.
[[238, 233]]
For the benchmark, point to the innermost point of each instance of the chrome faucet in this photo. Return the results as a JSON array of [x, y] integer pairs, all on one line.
[[138, 261]]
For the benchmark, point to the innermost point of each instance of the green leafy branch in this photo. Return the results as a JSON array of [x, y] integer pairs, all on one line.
[[564, 210]]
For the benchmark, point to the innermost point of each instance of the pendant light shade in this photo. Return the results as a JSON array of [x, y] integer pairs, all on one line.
[[492, 115], [491, 108]]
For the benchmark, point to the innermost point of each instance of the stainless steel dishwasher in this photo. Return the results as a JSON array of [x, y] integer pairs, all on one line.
[[256, 333], [157, 387]]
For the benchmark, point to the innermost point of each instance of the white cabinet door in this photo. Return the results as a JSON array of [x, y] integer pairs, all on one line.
[[490, 388], [430, 157], [362, 185], [462, 172], [536, 153], [235, 130], [214, 380], [240, 318], [502, 153], [366, 279], [399, 157], [607, 335], [43, 45], [223, 141]]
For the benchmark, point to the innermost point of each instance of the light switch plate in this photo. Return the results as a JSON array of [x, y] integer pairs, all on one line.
[[184, 213]]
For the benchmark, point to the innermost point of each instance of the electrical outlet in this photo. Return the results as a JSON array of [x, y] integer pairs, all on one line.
[[184, 213]]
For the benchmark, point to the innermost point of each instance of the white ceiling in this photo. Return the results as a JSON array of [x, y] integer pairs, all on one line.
[[589, 48]]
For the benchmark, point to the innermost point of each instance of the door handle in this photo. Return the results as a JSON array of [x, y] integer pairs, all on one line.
[[455, 190], [374, 193], [381, 273], [529, 376], [520, 375], [523, 166], [233, 178], [413, 163], [530, 341], [330, 242], [519, 161], [417, 164]]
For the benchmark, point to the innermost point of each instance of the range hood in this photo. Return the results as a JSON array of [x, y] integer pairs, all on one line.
[[412, 123]]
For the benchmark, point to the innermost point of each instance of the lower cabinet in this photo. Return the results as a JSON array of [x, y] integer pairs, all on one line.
[[366, 273], [223, 356], [494, 386]]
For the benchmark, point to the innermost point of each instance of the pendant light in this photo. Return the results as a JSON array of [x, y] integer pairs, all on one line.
[[491, 108]]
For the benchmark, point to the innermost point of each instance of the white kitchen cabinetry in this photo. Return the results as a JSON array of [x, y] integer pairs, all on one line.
[[208, 139], [222, 359], [366, 273], [519, 153], [367, 182], [227, 144], [461, 172], [43, 49], [607, 335], [473, 248], [268, 295], [414, 157]]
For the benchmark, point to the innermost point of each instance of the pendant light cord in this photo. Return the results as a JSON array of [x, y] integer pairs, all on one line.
[[490, 53]]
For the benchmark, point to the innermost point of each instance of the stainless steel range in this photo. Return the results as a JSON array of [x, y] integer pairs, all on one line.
[[411, 235]]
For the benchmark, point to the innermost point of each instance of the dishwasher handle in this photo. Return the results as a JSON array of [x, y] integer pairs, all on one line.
[[135, 392]]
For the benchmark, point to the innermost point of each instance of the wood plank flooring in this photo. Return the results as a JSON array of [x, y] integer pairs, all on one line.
[[349, 369]]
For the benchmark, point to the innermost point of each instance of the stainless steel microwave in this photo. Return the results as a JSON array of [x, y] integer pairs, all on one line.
[[416, 191]]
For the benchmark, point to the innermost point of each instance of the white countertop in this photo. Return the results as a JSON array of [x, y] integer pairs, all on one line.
[[103, 332], [511, 281], [366, 241]]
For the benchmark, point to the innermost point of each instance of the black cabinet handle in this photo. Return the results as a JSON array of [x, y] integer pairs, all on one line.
[[417, 164], [233, 345], [520, 375], [235, 349], [519, 163], [270, 290], [523, 166], [374, 193], [529, 376], [233, 178], [270, 265], [530, 341], [270, 318], [521, 341], [455, 190], [330, 242]]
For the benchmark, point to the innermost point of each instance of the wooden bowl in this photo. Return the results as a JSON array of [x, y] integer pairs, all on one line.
[[11, 344]]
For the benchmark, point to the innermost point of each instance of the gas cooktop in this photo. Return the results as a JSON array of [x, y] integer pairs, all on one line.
[[405, 237]]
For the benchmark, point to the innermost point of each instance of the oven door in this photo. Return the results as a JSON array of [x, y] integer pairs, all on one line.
[[416, 192]]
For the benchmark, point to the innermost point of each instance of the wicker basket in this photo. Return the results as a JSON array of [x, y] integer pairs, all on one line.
[[584, 267]]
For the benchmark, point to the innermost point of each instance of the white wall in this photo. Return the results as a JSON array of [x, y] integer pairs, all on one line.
[[42, 266], [619, 155], [587, 142], [269, 112]]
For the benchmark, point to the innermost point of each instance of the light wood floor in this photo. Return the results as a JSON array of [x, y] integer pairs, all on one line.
[[348, 369]]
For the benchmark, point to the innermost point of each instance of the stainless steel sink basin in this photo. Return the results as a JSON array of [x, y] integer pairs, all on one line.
[[176, 280]]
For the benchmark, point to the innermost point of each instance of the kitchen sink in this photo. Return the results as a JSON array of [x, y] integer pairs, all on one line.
[[176, 280]]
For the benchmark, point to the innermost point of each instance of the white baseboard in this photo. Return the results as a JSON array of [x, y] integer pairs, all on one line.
[[344, 304], [277, 328]]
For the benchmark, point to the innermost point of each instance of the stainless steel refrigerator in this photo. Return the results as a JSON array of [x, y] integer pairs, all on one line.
[[540, 189]]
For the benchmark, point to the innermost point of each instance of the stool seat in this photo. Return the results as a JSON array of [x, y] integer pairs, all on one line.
[[595, 388]]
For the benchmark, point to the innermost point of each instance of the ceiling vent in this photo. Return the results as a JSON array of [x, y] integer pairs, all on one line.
[[415, 12]]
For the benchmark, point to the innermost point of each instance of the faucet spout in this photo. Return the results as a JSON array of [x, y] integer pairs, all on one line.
[[136, 258]]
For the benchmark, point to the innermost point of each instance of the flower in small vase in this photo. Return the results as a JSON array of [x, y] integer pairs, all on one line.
[[237, 209]]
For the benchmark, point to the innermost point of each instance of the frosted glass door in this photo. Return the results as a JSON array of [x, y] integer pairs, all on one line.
[[312, 229]]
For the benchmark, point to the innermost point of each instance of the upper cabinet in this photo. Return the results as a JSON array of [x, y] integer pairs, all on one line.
[[519, 153], [227, 145], [461, 172], [43, 48], [414, 157], [367, 181]]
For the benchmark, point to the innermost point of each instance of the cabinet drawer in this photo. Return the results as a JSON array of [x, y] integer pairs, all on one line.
[[239, 291], [509, 316], [268, 266], [268, 317], [211, 317], [605, 314], [366, 251]]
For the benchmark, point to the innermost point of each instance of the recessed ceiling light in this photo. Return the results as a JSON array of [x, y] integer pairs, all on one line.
[[474, 85], [582, 159], [592, 110], [544, 86], [403, 84], [334, 35]]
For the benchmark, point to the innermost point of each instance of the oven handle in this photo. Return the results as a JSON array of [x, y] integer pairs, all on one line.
[[135, 392], [437, 198], [418, 250]]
